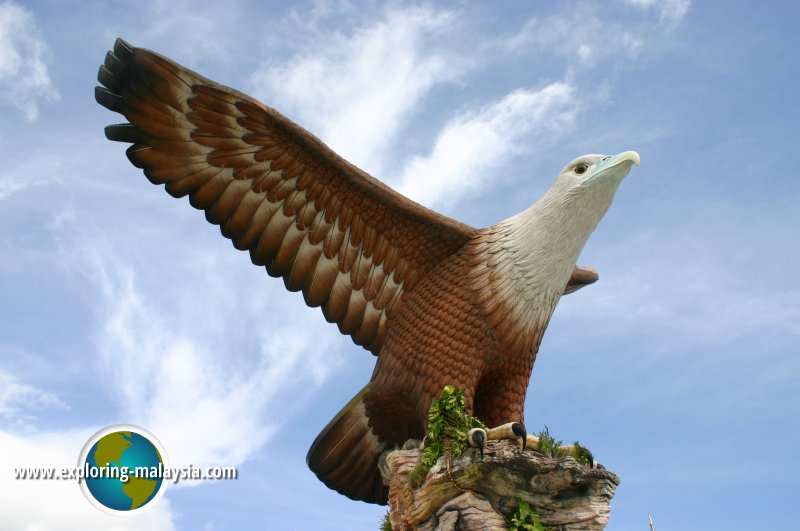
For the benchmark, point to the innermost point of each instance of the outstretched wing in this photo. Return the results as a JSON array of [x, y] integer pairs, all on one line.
[[350, 243]]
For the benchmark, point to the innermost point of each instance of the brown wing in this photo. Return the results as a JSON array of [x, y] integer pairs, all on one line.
[[350, 243]]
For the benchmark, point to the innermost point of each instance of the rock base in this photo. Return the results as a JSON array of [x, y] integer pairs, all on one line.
[[468, 492]]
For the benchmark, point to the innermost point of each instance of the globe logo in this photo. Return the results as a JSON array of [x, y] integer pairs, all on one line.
[[123, 469]]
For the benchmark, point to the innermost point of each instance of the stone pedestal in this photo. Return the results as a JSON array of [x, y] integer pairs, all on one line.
[[468, 492]]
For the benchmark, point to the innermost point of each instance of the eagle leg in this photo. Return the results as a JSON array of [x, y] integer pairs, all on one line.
[[477, 437], [571, 450]]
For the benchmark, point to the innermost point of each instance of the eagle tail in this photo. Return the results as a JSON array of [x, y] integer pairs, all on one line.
[[345, 454]]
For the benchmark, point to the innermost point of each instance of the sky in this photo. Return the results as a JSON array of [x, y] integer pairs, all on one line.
[[678, 369]]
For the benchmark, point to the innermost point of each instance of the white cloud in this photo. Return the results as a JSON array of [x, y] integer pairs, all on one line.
[[357, 90], [678, 283], [41, 168], [191, 30], [470, 149], [18, 399], [669, 10], [633, 44], [42, 505], [24, 79], [558, 34], [10, 186], [585, 53], [591, 37], [173, 356]]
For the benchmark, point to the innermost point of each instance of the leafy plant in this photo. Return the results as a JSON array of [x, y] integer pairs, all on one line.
[[448, 427], [386, 523], [548, 445], [582, 454], [525, 518]]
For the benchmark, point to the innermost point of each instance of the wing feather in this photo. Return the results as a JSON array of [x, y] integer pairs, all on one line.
[[351, 244]]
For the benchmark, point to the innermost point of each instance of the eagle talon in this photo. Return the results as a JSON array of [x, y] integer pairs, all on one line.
[[519, 430], [477, 439], [511, 430]]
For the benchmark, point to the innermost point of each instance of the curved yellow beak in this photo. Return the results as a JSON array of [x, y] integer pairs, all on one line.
[[631, 157], [628, 155]]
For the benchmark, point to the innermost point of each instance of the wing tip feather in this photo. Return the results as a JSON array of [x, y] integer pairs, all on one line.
[[123, 133], [109, 100], [123, 48]]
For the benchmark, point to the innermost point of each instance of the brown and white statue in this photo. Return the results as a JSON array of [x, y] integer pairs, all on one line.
[[437, 301]]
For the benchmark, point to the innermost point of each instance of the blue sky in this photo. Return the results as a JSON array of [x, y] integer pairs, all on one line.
[[679, 368]]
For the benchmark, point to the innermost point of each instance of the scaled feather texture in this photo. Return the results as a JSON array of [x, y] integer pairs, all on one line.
[[439, 302]]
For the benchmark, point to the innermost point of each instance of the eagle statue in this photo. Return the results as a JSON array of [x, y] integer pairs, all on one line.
[[437, 301]]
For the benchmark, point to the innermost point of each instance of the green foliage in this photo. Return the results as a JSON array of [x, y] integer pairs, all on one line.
[[525, 519], [582, 454], [386, 524], [548, 445], [448, 427]]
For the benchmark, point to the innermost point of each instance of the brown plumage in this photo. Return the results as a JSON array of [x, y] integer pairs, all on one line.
[[437, 301]]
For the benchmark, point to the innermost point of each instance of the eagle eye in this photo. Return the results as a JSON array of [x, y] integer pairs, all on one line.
[[581, 169]]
